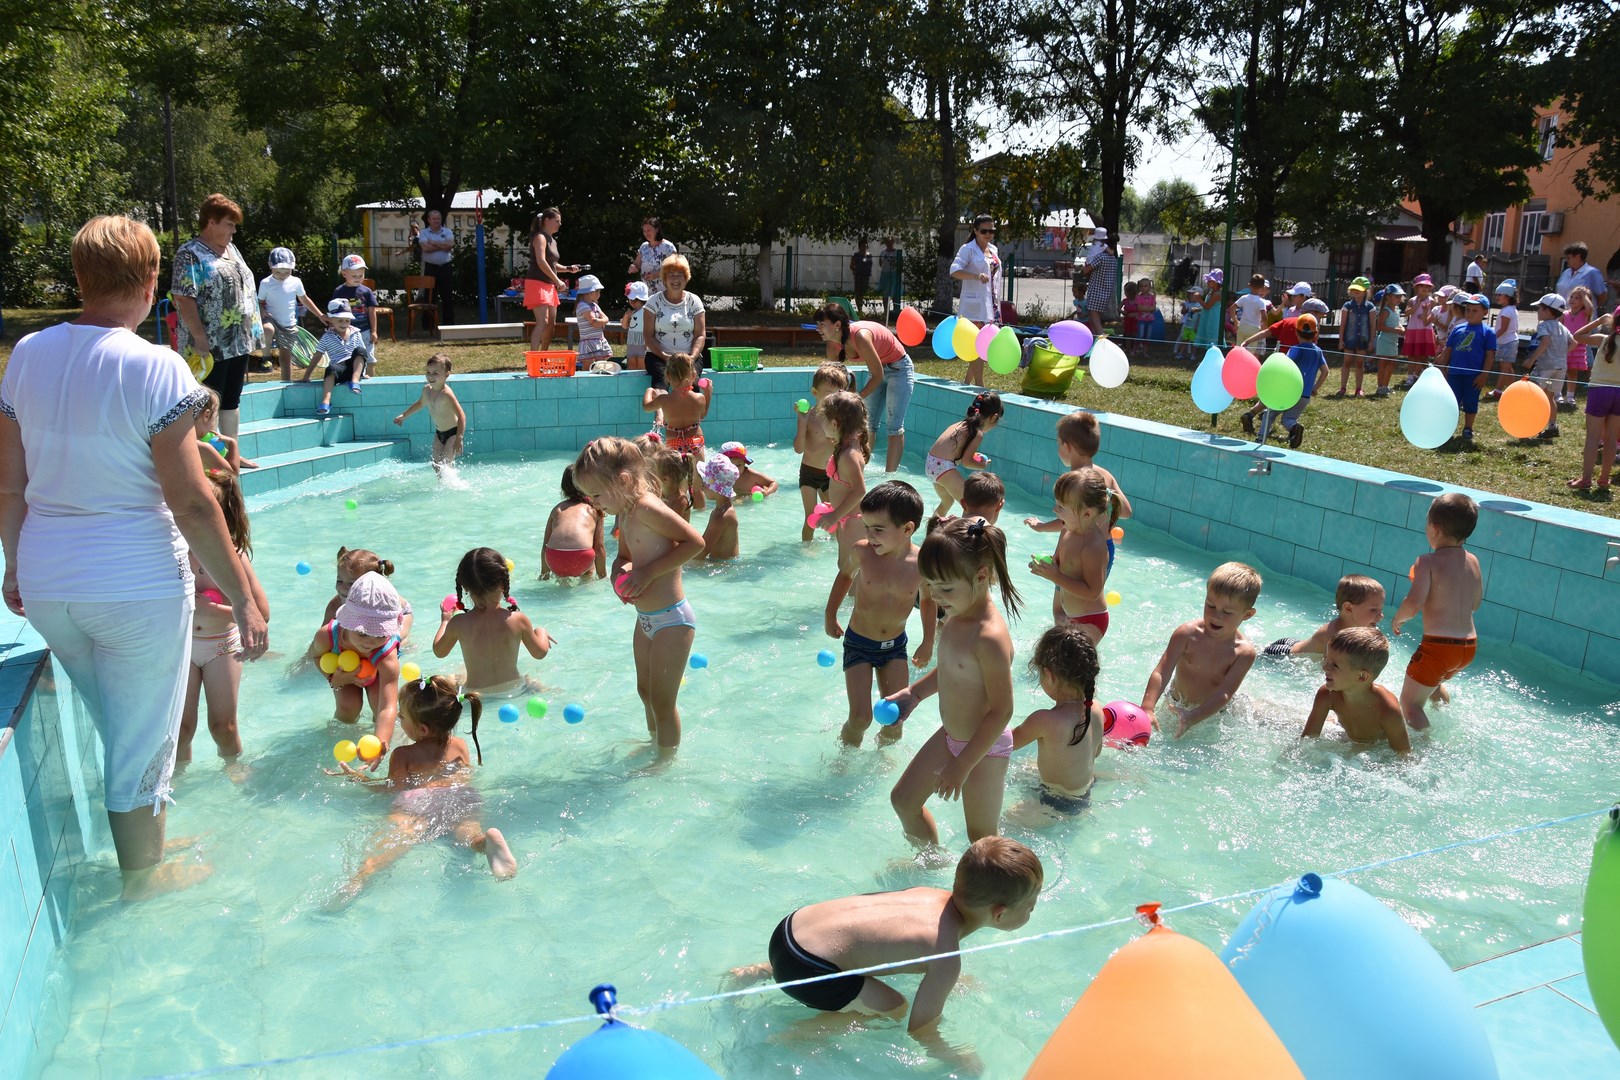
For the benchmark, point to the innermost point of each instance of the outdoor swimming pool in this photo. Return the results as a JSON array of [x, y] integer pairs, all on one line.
[[661, 883]]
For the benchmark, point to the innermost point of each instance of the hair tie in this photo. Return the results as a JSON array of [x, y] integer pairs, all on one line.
[[421, 684], [460, 697], [976, 527]]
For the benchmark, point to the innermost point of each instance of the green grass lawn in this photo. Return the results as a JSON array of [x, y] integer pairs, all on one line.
[[1360, 430]]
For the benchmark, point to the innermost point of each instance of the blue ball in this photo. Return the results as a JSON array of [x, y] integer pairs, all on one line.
[[826, 658], [886, 713], [573, 713], [302, 568], [698, 661], [509, 714]]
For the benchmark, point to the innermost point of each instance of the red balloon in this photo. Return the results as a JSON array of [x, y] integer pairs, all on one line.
[[1240, 372], [909, 327]]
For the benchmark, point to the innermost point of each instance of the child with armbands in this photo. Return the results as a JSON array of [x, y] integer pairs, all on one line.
[[358, 652], [1206, 659], [1366, 711], [216, 645], [1359, 601], [810, 440], [961, 561], [886, 581], [719, 477], [352, 563], [431, 779], [1069, 734], [1088, 510], [489, 635], [218, 451], [843, 422], [574, 546], [919, 931], [957, 448]]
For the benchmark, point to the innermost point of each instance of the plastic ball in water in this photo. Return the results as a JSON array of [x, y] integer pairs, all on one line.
[[803, 405], [351, 504], [345, 751], [409, 672], [538, 708], [369, 748], [758, 495], [1112, 598], [509, 714], [510, 566], [348, 660], [826, 658], [302, 567], [886, 713], [1117, 533], [573, 713], [329, 663], [698, 661]]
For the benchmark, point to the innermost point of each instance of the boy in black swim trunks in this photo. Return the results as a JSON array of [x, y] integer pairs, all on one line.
[[998, 882], [812, 443], [444, 410]]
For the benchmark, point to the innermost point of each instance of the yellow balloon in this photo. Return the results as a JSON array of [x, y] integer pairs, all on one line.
[[369, 748], [344, 751], [1112, 598], [409, 672], [329, 662], [964, 340], [348, 660]]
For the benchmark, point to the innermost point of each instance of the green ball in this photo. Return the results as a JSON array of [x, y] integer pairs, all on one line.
[[803, 405], [758, 496], [351, 504], [537, 708]]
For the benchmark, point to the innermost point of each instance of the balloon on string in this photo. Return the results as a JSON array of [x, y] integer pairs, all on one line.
[[1070, 338], [1600, 926], [942, 338], [618, 1051], [1429, 413], [1523, 410], [1279, 384], [910, 327], [982, 340], [1239, 373], [1005, 352], [963, 334], [1109, 365], [1209, 392]]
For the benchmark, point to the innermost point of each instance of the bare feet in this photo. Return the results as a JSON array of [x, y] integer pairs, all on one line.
[[1441, 696], [752, 975], [246, 464], [163, 878], [501, 862], [890, 734]]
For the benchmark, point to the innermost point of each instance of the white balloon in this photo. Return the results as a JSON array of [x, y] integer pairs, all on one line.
[[1109, 365]]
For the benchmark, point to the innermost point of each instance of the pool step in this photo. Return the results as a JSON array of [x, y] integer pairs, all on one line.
[[279, 470], [284, 434]]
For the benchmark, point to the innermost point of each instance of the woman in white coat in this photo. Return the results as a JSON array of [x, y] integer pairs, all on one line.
[[978, 267]]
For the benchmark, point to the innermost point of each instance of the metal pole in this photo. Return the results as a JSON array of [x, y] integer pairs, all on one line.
[[171, 198], [1231, 212], [787, 276]]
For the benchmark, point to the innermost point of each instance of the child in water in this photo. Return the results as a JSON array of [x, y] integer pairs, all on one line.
[[574, 545], [681, 408], [675, 477], [811, 443], [1207, 659], [1366, 711], [1088, 510], [843, 422], [1070, 733], [719, 477], [352, 564], [961, 561], [654, 543], [363, 642], [444, 412], [431, 777], [489, 635], [957, 448]]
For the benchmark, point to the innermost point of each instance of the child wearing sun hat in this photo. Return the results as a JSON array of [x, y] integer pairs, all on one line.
[[718, 474], [1507, 334], [363, 639], [593, 342], [1355, 333]]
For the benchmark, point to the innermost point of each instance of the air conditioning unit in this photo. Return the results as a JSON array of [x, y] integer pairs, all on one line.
[[1552, 224]]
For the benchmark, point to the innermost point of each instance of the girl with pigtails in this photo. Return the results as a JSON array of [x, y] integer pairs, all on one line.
[[957, 448], [489, 634]]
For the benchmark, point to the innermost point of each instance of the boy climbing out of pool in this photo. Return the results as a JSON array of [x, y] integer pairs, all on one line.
[[1359, 601], [957, 449], [431, 778], [719, 477], [1446, 590], [843, 421], [1088, 509], [444, 411], [489, 635], [885, 580], [1079, 439], [998, 883], [363, 643], [810, 440], [352, 563], [961, 560], [654, 543], [1069, 735], [1206, 659], [984, 496], [574, 546], [345, 351], [1367, 712], [749, 479], [680, 409]]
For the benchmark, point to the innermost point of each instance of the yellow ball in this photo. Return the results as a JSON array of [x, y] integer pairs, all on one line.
[[369, 748], [329, 662], [1112, 598], [348, 660], [510, 566], [345, 751], [409, 672]]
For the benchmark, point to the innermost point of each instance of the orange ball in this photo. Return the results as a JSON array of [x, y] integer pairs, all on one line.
[[1117, 533], [366, 673]]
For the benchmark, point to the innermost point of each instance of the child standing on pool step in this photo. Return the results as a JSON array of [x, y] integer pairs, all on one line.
[[1446, 589], [1207, 659], [444, 411], [488, 634]]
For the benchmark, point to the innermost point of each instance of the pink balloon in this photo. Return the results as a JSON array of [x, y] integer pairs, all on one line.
[[981, 344], [1240, 372]]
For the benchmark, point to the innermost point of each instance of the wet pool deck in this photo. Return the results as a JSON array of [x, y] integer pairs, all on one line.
[[1537, 1010]]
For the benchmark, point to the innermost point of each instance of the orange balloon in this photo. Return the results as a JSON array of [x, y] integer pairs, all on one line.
[[1164, 1008], [910, 327], [1523, 410]]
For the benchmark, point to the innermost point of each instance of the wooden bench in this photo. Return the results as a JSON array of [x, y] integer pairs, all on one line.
[[480, 331]]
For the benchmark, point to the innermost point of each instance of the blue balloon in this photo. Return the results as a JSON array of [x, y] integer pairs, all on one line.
[[886, 713], [942, 338], [1209, 393], [509, 714], [302, 568], [617, 1051], [1352, 990], [573, 713], [826, 658], [1430, 412], [698, 661]]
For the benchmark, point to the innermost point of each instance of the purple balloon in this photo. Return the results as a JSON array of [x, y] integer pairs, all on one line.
[[981, 344], [1070, 338]]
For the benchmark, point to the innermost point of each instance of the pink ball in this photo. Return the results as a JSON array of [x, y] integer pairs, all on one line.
[[448, 604], [1126, 724], [619, 583], [213, 596]]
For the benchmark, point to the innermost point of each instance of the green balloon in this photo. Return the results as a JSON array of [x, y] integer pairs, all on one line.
[[1280, 384], [1004, 352], [1600, 927], [803, 405]]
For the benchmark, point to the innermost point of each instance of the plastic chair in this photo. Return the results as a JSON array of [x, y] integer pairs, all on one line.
[[419, 283], [382, 312]]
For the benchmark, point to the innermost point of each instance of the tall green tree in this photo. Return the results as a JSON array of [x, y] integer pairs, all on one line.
[[1177, 206], [1590, 93]]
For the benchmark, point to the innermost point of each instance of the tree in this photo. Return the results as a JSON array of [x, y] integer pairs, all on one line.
[[1176, 206], [1591, 95]]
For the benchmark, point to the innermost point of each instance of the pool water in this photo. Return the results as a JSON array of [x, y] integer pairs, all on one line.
[[660, 883]]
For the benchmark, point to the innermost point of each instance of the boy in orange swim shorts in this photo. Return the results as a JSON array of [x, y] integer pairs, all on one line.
[[1446, 589]]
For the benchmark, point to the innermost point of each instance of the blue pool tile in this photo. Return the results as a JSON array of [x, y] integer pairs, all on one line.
[[542, 412], [1172, 487], [1275, 556], [1199, 459], [1520, 970], [1212, 499], [33, 865], [614, 410], [1189, 528], [1379, 503], [1318, 568], [1329, 489], [1152, 514], [1499, 622], [1577, 990], [1299, 524], [519, 439], [16, 1034], [1565, 644], [1602, 654], [733, 406], [1586, 601], [1513, 534], [1523, 585], [1137, 478], [1571, 549], [16, 923], [493, 415], [1253, 510], [1347, 536], [12, 792], [586, 412], [1542, 1035], [1395, 548], [1116, 442], [1285, 481], [1229, 539]]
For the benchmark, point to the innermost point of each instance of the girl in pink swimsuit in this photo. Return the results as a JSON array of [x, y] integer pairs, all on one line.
[[843, 420], [1088, 509], [574, 544]]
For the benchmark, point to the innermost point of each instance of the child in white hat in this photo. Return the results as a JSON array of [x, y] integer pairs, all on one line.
[[363, 643], [593, 342], [635, 342], [345, 352], [719, 477]]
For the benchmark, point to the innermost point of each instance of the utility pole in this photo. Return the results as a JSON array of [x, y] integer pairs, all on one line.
[[170, 197], [1228, 284]]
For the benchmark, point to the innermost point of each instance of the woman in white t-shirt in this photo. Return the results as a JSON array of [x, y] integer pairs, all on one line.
[[651, 254], [101, 493], [676, 320]]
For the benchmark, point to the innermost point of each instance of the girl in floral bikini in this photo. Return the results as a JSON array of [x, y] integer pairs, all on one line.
[[681, 408]]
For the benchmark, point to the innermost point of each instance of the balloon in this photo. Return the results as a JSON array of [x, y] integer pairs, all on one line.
[[963, 334], [1352, 990], [982, 340], [329, 663], [618, 1051], [886, 713], [803, 405], [348, 660], [369, 748], [1523, 410], [1239, 373], [1126, 723], [1209, 391], [1164, 1008], [1070, 338], [910, 327], [1117, 533], [1600, 926], [509, 713], [538, 708], [345, 751], [573, 713], [826, 658], [1429, 413], [351, 504], [942, 338], [1005, 352], [697, 661], [1279, 384], [409, 672], [1108, 363], [302, 567]]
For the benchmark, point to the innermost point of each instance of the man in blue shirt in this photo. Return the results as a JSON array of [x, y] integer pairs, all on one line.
[[1313, 370], [1577, 271], [1469, 352]]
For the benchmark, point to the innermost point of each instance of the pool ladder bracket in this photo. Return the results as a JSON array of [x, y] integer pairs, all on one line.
[[1614, 556]]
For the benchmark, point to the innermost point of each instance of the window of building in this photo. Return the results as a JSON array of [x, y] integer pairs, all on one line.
[[1530, 231], [399, 236], [1547, 136], [1495, 226]]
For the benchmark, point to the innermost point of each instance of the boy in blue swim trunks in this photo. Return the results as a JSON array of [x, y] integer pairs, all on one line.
[[1469, 352], [998, 882], [886, 581]]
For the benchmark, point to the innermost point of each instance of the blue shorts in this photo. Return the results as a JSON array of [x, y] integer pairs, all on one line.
[[1462, 384], [893, 397], [863, 650]]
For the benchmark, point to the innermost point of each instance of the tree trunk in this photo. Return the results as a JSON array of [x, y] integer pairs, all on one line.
[[1265, 229], [945, 249], [762, 264], [1437, 219]]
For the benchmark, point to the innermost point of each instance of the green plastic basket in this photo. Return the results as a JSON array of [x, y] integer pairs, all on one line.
[[734, 358]]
